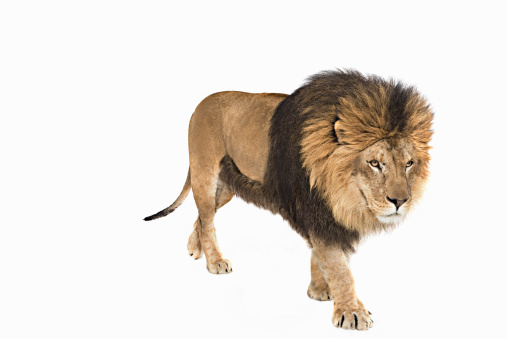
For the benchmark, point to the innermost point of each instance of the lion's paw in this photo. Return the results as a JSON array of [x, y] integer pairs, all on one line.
[[320, 293], [220, 267], [194, 246], [195, 253], [358, 319]]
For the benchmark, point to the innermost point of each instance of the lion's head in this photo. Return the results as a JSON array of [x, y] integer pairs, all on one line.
[[365, 147]]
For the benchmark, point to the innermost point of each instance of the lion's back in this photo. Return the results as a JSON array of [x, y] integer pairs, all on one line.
[[239, 122]]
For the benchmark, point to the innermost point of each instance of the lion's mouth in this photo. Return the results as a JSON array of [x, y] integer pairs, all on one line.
[[395, 217]]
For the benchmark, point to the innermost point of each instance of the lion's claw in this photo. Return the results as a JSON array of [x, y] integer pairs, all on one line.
[[220, 267], [358, 319]]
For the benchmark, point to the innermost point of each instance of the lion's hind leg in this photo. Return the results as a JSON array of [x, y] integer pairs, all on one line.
[[194, 243], [223, 196], [205, 194]]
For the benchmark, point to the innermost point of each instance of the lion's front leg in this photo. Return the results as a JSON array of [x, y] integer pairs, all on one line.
[[349, 312], [318, 288]]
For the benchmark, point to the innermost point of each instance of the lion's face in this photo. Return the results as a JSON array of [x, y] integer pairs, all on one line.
[[365, 148], [386, 175]]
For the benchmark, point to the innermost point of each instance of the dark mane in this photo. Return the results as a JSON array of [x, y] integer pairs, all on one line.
[[369, 108]]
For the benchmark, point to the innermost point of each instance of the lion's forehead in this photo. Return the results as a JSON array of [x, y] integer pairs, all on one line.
[[396, 152]]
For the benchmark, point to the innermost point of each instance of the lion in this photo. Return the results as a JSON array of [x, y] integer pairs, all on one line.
[[344, 156]]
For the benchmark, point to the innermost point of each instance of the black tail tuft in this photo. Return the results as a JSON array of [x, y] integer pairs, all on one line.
[[159, 214], [177, 203]]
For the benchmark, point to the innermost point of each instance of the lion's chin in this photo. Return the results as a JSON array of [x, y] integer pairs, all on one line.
[[391, 219]]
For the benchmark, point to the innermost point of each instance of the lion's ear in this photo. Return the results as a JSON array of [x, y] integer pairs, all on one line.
[[339, 132]]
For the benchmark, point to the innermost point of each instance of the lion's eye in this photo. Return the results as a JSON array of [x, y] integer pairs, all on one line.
[[410, 163], [374, 163]]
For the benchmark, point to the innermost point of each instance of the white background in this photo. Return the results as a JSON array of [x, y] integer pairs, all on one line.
[[95, 99]]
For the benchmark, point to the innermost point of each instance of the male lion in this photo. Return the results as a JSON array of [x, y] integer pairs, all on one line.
[[344, 156]]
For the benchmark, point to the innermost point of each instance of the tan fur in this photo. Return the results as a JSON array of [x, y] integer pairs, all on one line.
[[318, 288], [335, 269], [232, 123]]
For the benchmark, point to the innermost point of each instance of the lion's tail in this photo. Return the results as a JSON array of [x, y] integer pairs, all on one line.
[[177, 203]]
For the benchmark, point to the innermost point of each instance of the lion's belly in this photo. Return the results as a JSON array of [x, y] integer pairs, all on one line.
[[245, 127]]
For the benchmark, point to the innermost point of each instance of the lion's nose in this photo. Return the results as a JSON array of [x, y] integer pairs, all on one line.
[[397, 202]]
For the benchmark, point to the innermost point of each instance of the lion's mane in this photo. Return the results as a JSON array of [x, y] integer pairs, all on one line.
[[309, 166]]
